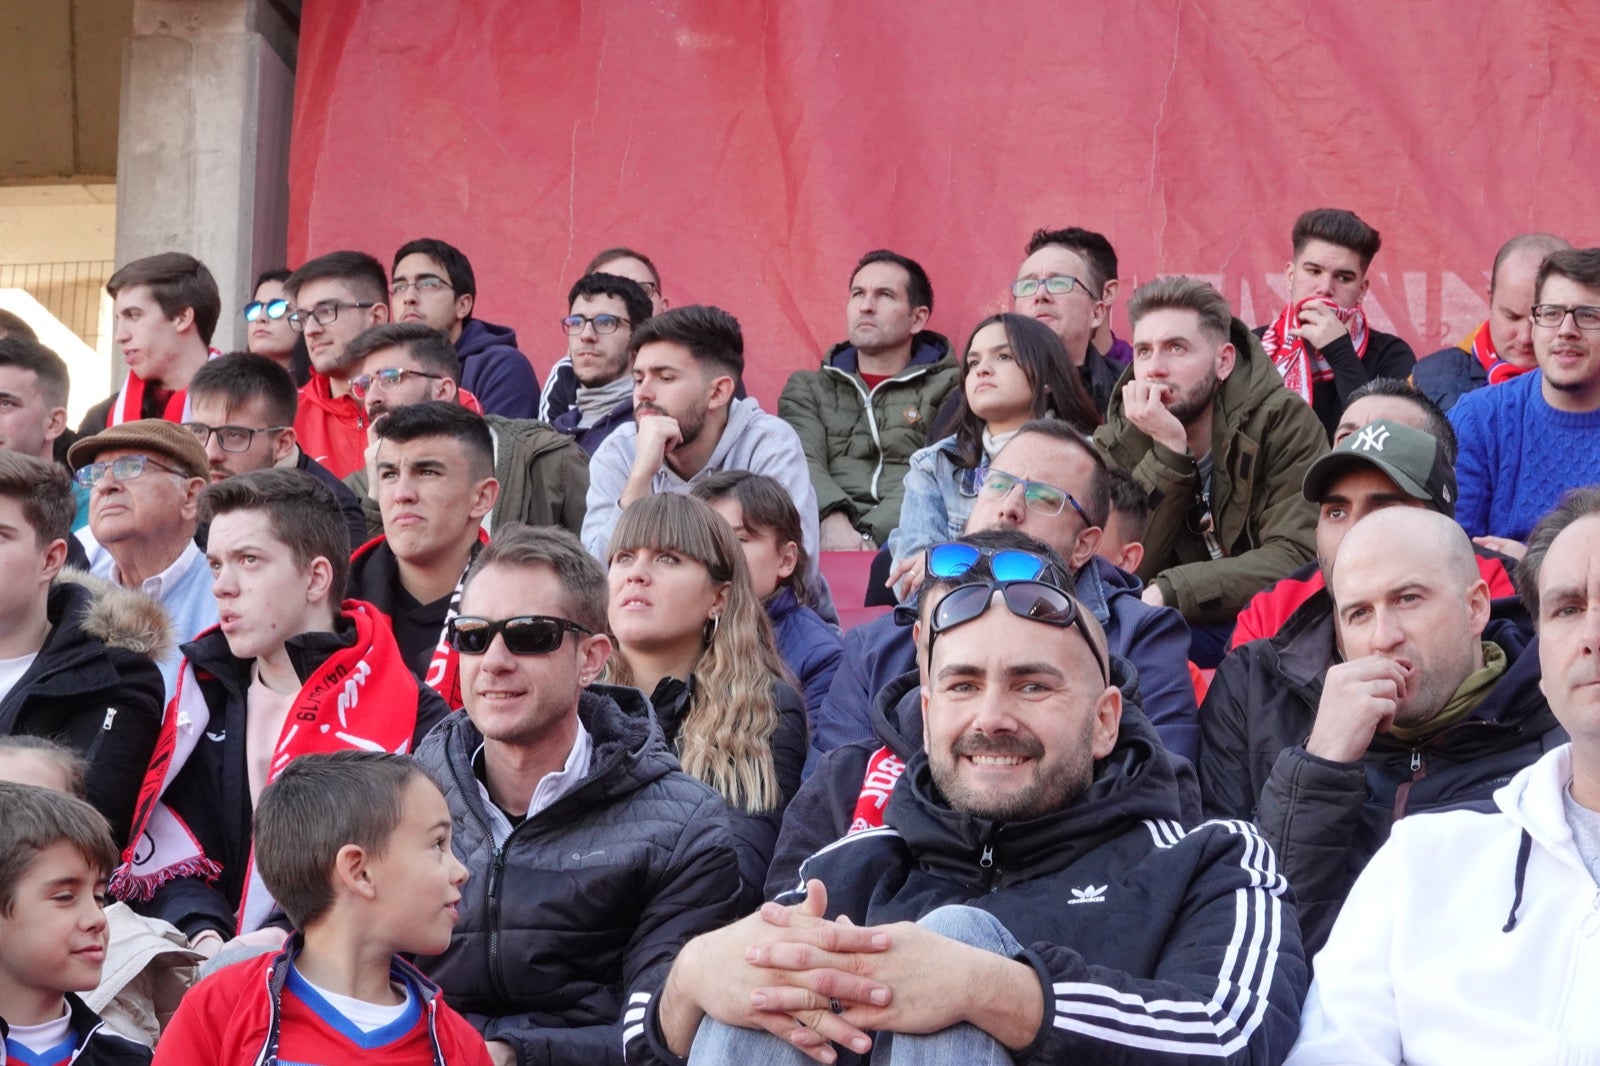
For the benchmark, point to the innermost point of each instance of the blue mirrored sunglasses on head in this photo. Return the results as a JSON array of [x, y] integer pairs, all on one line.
[[1006, 564], [256, 310]]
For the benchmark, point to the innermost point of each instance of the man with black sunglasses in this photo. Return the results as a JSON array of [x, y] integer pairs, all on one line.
[[334, 298], [1032, 893], [593, 856]]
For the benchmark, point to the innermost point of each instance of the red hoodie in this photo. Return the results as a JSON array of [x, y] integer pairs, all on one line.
[[331, 431]]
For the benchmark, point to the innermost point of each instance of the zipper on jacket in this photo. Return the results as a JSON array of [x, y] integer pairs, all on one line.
[[497, 869], [105, 731], [872, 416], [1402, 795]]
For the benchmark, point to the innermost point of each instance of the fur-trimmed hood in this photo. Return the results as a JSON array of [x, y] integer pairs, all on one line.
[[118, 617]]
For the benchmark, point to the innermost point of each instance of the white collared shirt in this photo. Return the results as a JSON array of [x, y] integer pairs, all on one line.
[[101, 564], [551, 786]]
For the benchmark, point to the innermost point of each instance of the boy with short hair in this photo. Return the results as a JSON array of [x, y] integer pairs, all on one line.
[[355, 846], [1122, 543], [55, 855]]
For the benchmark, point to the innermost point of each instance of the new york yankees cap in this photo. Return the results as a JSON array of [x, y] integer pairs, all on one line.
[[1408, 457]]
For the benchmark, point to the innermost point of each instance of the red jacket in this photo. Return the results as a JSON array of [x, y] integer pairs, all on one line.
[[1266, 612], [332, 431], [237, 1016]]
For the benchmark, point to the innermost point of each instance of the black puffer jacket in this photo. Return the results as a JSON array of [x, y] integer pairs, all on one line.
[[96, 688], [756, 834], [1327, 819], [577, 915], [1152, 944], [825, 806]]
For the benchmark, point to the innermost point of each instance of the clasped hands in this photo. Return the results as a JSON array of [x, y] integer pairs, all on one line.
[[812, 982]]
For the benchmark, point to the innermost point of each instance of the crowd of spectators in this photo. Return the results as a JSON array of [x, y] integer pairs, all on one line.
[[1229, 695]]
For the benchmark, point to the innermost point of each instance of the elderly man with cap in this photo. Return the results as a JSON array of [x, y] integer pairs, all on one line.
[[144, 478], [1391, 691]]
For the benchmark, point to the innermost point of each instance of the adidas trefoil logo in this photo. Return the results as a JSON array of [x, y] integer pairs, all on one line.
[[1091, 894]]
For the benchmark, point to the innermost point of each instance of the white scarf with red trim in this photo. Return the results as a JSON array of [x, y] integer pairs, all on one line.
[[321, 719], [1300, 364]]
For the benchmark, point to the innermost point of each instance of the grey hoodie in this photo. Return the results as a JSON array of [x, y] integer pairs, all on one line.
[[753, 440]]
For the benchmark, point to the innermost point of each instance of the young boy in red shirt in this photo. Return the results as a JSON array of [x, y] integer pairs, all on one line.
[[355, 847], [55, 855]]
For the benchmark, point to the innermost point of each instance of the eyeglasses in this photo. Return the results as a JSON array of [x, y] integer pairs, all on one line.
[[574, 324], [232, 438], [1552, 315], [423, 283], [325, 314], [385, 379], [256, 310], [1040, 497], [955, 559], [1055, 285], [125, 468], [526, 634], [1034, 600]]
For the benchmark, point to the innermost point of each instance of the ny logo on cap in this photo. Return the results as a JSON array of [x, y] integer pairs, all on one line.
[[1370, 439]]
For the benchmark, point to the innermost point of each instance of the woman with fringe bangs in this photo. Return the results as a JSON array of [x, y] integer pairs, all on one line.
[[691, 633]]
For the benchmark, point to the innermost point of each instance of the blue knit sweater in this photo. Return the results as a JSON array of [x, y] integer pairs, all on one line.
[[1518, 456]]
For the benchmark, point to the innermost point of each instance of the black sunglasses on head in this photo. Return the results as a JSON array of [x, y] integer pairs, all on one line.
[[526, 634], [1034, 600]]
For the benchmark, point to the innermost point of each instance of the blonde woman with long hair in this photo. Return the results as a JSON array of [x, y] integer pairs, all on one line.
[[691, 633]]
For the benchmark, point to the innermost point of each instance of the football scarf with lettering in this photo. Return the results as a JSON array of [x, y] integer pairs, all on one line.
[[1481, 344], [877, 784], [1300, 365], [362, 697]]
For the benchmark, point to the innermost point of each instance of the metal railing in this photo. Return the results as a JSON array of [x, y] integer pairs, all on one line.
[[71, 291]]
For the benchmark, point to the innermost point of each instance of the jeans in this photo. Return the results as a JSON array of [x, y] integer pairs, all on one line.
[[718, 1044]]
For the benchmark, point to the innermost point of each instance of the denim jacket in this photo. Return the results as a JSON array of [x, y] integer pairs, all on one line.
[[939, 497]]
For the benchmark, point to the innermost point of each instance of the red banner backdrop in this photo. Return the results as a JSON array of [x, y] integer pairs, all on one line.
[[756, 149]]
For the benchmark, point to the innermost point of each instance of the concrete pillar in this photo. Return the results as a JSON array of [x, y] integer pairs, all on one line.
[[203, 144]]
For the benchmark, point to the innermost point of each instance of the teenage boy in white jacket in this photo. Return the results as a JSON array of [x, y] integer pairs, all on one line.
[[1475, 937]]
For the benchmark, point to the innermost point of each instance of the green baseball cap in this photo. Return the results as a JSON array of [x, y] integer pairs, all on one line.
[[1409, 457]]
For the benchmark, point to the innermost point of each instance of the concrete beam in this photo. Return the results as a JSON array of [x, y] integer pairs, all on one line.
[[203, 151]]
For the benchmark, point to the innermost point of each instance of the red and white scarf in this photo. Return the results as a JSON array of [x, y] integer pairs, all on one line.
[[1481, 344], [323, 718], [1300, 364], [884, 768], [129, 404], [444, 667]]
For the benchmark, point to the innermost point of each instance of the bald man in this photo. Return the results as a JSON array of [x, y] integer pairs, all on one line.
[[1501, 347], [1420, 700]]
